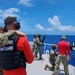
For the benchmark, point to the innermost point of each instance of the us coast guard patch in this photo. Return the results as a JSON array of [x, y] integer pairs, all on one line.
[[3, 47]]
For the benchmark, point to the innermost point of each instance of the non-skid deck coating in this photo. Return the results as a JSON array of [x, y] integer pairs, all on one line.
[[37, 67]]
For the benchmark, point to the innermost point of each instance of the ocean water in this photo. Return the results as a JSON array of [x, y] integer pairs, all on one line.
[[54, 39]]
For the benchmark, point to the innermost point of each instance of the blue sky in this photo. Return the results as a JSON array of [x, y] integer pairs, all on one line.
[[54, 17]]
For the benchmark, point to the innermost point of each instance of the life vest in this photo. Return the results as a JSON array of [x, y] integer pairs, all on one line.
[[10, 57]]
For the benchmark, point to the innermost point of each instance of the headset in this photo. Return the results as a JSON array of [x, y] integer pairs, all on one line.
[[16, 24]]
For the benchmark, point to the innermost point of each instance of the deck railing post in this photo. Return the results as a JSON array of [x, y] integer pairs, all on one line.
[[44, 48]]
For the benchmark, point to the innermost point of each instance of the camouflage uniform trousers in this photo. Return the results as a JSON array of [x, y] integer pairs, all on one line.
[[33, 48], [39, 50], [52, 63], [63, 59]]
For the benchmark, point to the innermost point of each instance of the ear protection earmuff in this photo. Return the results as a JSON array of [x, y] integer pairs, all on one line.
[[17, 25]]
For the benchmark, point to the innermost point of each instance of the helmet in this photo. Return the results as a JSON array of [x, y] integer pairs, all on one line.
[[38, 35], [63, 37]]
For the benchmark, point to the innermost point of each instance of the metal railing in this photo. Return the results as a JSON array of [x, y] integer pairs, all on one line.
[[46, 51]]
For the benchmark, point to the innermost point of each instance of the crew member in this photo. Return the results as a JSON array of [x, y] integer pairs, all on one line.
[[13, 57], [39, 43], [63, 52], [52, 58]]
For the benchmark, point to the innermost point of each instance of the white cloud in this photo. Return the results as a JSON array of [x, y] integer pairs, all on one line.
[[24, 26], [1, 21], [11, 10], [49, 29], [56, 25], [40, 27], [25, 2], [8, 12]]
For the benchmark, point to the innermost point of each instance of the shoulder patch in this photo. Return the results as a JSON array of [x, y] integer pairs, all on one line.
[[3, 40]]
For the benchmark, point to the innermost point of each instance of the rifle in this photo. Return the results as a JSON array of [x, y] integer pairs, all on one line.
[[43, 39]]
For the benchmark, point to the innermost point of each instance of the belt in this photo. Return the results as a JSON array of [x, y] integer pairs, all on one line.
[[61, 55]]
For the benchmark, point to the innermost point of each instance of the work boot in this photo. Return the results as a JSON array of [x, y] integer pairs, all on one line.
[[66, 74], [46, 66], [41, 58], [36, 56], [51, 68]]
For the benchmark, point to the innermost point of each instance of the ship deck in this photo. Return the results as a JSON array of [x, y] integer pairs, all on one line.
[[37, 67]]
